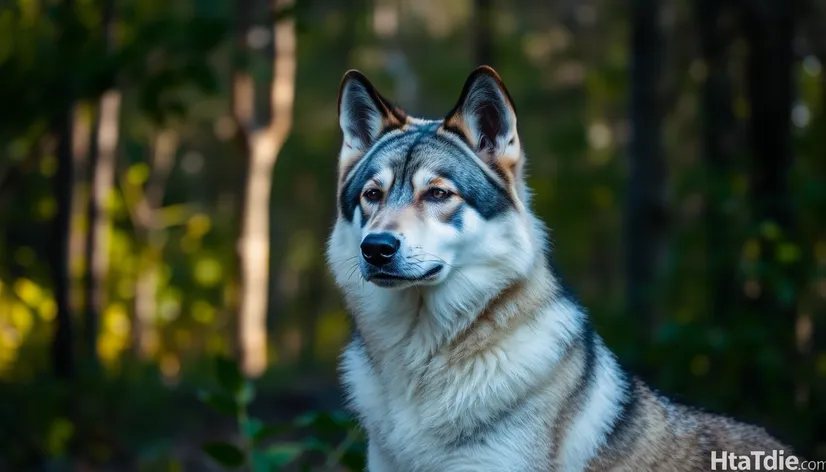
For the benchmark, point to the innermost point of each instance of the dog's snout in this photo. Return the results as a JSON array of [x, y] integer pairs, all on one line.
[[378, 249]]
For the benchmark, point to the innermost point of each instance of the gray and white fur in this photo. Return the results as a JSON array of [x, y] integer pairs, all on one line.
[[467, 354]]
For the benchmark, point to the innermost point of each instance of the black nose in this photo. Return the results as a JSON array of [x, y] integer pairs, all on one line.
[[378, 248]]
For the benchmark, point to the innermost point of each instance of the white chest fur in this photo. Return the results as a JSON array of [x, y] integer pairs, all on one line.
[[421, 433], [483, 414]]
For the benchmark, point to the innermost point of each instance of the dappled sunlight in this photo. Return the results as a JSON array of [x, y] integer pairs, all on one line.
[[113, 339], [24, 306], [17, 322], [203, 312], [207, 272]]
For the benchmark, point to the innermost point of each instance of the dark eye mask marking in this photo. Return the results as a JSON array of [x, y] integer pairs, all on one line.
[[478, 188], [455, 219], [364, 171]]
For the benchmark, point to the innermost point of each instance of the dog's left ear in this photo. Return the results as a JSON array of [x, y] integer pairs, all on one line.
[[485, 119]]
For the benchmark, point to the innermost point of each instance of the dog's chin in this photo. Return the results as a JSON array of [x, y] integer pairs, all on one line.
[[401, 280]]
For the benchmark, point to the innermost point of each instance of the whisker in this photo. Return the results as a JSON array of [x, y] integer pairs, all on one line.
[[442, 261], [353, 271], [343, 261]]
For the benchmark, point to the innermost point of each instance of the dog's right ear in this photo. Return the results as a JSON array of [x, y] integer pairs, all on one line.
[[364, 115]]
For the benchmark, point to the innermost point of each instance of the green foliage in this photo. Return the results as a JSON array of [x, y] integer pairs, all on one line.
[[255, 449], [225, 454]]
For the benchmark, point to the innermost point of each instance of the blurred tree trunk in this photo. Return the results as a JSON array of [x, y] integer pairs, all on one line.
[[773, 290], [483, 32], [644, 210], [262, 144], [719, 143], [144, 340], [62, 349], [102, 162], [150, 237], [81, 146], [769, 30], [63, 361]]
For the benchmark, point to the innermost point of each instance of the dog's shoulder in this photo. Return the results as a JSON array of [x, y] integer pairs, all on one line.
[[656, 433]]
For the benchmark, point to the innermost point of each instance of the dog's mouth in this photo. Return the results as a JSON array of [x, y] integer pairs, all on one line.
[[386, 279]]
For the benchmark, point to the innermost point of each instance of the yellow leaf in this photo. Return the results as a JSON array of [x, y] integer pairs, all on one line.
[[137, 173], [202, 312], [787, 253], [198, 225], [28, 291], [208, 272], [47, 309], [21, 319]]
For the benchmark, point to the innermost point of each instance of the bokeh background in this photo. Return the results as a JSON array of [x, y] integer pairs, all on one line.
[[167, 182]]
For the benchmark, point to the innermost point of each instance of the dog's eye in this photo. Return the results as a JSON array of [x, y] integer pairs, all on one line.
[[373, 195], [438, 194]]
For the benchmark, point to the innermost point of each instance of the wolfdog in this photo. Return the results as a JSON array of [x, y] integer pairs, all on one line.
[[467, 355]]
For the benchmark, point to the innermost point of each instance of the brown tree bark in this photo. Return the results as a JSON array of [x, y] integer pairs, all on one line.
[[262, 143], [101, 178], [150, 238], [81, 146]]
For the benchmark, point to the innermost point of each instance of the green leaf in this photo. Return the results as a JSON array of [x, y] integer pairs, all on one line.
[[282, 454], [219, 402], [251, 427], [325, 422], [260, 462], [307, 419], [229, 376], [315, 444], [246, 393], [225, 454], [275, 457], [268, 431]]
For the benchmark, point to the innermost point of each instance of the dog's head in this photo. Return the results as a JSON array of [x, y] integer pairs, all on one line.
[[420, 200]]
